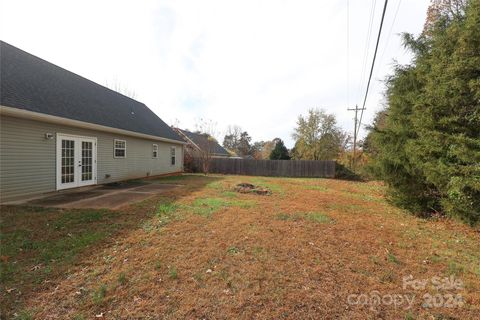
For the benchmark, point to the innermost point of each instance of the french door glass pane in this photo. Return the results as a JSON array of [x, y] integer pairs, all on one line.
[[87, 161], [68, 154]]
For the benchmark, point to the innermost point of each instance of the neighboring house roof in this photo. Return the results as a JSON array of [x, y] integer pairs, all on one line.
[[30, 83], [199, 140]]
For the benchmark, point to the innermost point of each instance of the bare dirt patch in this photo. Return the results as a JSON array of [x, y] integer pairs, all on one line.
[[250, 188]]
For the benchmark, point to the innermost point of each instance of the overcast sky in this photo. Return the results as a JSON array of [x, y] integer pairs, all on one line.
[[257, 64]]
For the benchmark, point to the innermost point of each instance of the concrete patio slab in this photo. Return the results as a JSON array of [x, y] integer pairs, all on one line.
[[65, 198], [122, 185], [111, 196], [112, 200], [154, 187]]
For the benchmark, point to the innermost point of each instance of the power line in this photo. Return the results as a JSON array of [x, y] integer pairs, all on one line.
[[387, 41], [373, 65], [348, 52], [364, 65], [390, 31], [367, 45]]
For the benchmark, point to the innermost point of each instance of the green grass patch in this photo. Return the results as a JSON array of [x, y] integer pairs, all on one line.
[[455, 268], [23, 315], [122, 278], [7, 271], [318, 188], [99, 294], [392, 258], [436, 258], [166, 209], [15, 241], [287, 217], [282, 216], [233, 250], [207, 206], [173, 273], [166, 213], [318, 217], [148, 226], [62, 249], [67, 248], [229, 194], [215, 185], [244, 204], [79, 217]]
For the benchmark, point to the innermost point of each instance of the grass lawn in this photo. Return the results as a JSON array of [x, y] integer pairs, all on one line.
[[315, 248]]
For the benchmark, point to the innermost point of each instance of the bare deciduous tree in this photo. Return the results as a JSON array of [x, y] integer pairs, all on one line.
[[208, 129], [232, 137]]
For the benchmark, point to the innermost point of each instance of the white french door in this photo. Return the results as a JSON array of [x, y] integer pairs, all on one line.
[[76, 161]]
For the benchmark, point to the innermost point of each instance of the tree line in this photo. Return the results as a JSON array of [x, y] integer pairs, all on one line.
[[317, 137]]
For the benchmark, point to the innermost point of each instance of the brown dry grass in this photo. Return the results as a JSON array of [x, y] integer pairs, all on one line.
[[215, 254]]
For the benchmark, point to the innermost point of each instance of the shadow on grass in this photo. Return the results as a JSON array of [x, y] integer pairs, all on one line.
[[344, 173], [38, 245]]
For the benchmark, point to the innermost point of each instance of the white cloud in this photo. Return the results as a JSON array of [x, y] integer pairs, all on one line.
[[258, 64]]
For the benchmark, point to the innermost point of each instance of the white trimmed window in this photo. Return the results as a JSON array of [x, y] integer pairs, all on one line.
[[119, 148], [172, 156], [155, 151]]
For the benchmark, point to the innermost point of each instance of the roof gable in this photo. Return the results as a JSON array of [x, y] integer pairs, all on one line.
[[200, 140], [30, 83]]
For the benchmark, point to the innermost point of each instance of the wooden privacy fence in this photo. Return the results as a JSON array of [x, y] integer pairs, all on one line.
[[274, 168]]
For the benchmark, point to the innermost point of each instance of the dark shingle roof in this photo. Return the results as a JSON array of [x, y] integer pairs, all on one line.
[[199, 139], [30, 83]]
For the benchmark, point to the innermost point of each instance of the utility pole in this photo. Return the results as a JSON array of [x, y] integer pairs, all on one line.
[[356, 109]]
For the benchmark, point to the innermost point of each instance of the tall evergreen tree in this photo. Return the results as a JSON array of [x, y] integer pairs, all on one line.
[[428, 148], [280, 152], [448, 112]]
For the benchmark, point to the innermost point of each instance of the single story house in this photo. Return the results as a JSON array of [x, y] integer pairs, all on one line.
[[198, 142], [59, 130]]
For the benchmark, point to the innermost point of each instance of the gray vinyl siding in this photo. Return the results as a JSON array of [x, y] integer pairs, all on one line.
[[28, 160]]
